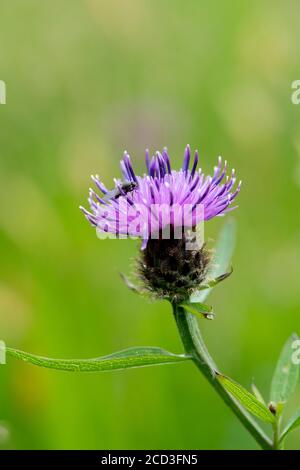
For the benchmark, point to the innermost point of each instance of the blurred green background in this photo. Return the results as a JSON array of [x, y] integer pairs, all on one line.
[[87, 79]]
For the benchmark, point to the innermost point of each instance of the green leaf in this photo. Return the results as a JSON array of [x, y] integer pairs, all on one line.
[[279, 409], [292, 424], [132, 357], [258, 394], [199, 309], [285, 377], [221, 259], [213, 282], [249, 401]]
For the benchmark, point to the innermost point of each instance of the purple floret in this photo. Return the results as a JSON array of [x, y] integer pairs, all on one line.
[[160, 195]]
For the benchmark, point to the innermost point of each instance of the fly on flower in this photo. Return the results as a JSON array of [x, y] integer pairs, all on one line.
[[121, 190], [163, 208]]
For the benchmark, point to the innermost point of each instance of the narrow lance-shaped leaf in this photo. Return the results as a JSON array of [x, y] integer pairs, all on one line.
[[214, 282], [286, 374], [257, 393], [128, 358], [221, 259], [199, 309], [292, 424], [249, 401]]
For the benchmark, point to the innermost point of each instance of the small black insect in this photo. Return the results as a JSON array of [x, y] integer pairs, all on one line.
[[124, 188]]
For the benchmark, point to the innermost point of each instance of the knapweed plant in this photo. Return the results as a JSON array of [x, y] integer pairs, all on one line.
[[166, 209]]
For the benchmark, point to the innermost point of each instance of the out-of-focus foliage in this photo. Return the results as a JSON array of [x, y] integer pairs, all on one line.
[[86, 80]]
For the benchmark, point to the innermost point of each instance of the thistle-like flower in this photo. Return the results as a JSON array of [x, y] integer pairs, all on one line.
[[163, 208]]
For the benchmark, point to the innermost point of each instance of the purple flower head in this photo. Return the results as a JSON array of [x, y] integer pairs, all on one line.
[[143, 206]]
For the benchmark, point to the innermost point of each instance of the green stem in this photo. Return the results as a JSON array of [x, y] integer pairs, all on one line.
[[277, 445], [193, 343], [275, 436]]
